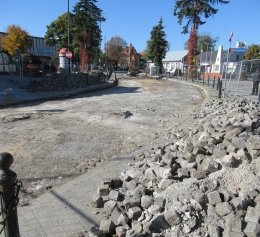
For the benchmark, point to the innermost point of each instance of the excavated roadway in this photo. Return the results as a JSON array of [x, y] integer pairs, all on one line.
[[63, 148]]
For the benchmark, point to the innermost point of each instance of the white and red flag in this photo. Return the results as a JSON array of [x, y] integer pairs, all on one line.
[[231, 35]]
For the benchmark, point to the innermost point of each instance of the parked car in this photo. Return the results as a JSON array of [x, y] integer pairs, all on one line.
[[98, 68], [31, 66]]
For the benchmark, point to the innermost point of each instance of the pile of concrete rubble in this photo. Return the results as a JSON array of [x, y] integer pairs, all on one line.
[[203, 182]]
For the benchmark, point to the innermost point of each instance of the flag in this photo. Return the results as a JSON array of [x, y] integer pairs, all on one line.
[[231, 35]]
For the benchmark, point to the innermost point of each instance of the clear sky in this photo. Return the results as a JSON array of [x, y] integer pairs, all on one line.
[[133, 20]]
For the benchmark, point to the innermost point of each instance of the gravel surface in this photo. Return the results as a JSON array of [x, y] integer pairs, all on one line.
[[54, 141]]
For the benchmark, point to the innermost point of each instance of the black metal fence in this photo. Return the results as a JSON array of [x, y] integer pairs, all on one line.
[[9, 197], [65, 82]]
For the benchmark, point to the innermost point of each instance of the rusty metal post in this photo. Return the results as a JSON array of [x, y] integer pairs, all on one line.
[[219, 88], [8, 197], [213, 85], [218, 83]]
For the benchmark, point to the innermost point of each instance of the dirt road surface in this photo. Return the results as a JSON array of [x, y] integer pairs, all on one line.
[[54, 141]]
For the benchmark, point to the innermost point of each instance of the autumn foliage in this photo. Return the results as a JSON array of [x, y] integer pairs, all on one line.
[[192, 47], [16, 38]]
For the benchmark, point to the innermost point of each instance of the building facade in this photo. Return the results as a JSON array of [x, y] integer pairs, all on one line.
[[174, 60]]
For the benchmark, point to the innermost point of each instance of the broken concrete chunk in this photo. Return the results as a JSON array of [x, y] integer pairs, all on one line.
[[214, 198], [223, 208], [134, 212], [172, 217], [107, 226], [252, 229], [103, 190], [229, 161], [97, 201]]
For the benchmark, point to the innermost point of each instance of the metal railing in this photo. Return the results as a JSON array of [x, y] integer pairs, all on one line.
[[9, 197]]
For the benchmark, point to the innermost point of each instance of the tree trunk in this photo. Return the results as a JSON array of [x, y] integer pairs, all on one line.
[[83, 58]]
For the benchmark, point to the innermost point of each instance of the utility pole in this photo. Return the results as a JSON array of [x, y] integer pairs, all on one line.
[[69, 30], [101, 37]]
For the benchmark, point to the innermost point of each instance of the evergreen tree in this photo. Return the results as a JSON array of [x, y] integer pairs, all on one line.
[[193, 10], [158, 45], [87, 33], [146, 56], [57, 32]]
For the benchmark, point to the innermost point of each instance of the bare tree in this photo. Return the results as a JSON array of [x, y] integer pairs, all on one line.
[[114, 48]]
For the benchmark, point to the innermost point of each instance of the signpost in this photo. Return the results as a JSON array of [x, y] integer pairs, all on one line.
[[68, 55]]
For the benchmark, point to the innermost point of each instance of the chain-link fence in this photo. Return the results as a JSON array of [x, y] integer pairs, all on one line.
[[236, 78]]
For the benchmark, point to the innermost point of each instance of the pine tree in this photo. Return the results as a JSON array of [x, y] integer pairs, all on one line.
[[193, 10], [158, 45], [86, 30], [57, 31]]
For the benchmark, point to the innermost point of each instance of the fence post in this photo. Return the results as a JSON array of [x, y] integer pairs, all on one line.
[[8, 198], [208, 80], [218, 83], [213, 85], [203, 79], [219, 88], [87, 77]]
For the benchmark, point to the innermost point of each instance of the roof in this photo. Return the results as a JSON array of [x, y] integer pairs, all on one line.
[[175, 55]]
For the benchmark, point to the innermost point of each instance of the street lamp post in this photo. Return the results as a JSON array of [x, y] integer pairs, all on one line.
[[69, 31], [210, 58], [200, 57], [100, 40], [105, 49], [207, 57]]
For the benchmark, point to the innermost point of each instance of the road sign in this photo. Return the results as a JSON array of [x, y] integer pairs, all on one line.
[[238, 50], [68, 54]]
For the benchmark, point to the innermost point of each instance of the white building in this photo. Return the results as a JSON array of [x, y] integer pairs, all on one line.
[[220, 60], [172, 61], [215, 61]]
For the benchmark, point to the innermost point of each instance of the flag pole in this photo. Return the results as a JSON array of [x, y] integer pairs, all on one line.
[[226, 72]]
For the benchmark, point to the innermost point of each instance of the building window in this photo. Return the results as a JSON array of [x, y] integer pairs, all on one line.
[[237, 57]]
